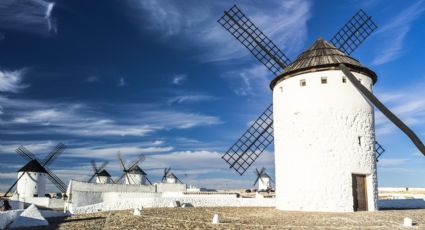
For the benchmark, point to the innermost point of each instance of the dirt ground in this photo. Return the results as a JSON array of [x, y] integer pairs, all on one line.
[[238, 218]]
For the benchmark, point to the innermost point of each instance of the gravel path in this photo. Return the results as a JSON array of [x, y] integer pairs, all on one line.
[[239, 218]]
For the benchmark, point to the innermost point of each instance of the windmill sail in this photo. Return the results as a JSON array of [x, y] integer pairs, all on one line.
[[354, 32], [254, 40], [390, 115], [252, 143]]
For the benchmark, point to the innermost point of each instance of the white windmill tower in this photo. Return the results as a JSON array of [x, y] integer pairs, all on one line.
[[102, 176], [169, 177], [263, 179], [133, 173], [321, 120], [31, 181]]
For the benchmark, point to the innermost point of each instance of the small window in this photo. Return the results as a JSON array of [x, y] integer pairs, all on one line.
[[344, 80], [324, 80], [281, 89], [302, 82], [360, 140]]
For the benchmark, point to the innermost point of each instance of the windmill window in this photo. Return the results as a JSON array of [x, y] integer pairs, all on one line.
[[324, 80], [360, 140], [302, 82], [344, 80], [281, 89]]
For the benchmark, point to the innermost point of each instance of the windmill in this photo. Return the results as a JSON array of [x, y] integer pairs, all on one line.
[[263, 179], [321, 124], [31, 177], [102, 176], [169, 177], [133, 173]]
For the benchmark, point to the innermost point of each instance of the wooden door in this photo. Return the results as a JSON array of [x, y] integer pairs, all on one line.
[[359, 192]]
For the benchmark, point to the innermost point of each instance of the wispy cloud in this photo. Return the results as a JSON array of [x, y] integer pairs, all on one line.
[[409, 107], [249, 81], [385, 162], [178, 79], [86, 120], [394, 33], [11, 81], [92, 79], [190, 99], [121, 82], [32, 16], [194, 24]]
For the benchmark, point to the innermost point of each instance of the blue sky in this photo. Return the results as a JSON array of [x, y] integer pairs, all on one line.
[[164, 79]]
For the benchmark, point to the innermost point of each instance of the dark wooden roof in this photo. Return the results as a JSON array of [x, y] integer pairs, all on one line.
[[322, 55], [33, 166], [136, 170], [103, 173]]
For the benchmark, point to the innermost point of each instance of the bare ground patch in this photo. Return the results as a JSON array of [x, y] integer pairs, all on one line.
[[239, 218]]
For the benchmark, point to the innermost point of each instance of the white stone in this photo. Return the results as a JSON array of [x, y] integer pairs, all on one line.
[[8, 217], [138, 211], [323, 133], [407, 222], [174, 204], [216, 219], [30, 217]]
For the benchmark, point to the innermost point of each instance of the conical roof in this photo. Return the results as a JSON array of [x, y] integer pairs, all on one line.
[[322, 55], [33, 166], [136, 170], [103, 173], [171, 175]]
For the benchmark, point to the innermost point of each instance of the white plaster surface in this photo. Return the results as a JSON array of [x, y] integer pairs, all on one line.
[[160, 202], [8, 217], [317, 149], [30, 217], [41, 201], [264, 183], [30, 184]]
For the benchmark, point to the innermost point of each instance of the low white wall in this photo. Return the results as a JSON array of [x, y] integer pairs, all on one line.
[[160, 202], [82, 193], [38, 201]]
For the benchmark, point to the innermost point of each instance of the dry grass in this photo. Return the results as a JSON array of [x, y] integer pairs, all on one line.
[[239, 218]]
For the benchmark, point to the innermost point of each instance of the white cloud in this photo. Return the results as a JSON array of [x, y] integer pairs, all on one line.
[[410, 108], [194, 24], [32, 16], [121, 82], [394, 33], [11, 81], [190, 99], [249, 81], [178, 79], [85, 120], [391, 162], [92, 79]]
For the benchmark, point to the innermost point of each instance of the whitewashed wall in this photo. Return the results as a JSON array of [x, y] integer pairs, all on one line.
[[316, 131], [160, 202], [31, 183]]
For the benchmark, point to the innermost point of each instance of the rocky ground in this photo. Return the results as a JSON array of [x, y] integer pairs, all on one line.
[[239, 218]]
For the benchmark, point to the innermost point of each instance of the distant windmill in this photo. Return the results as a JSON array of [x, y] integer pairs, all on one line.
[[133, 173], [321, 124], [169, 177], [32, 176], [263, 179], [102, 176]]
